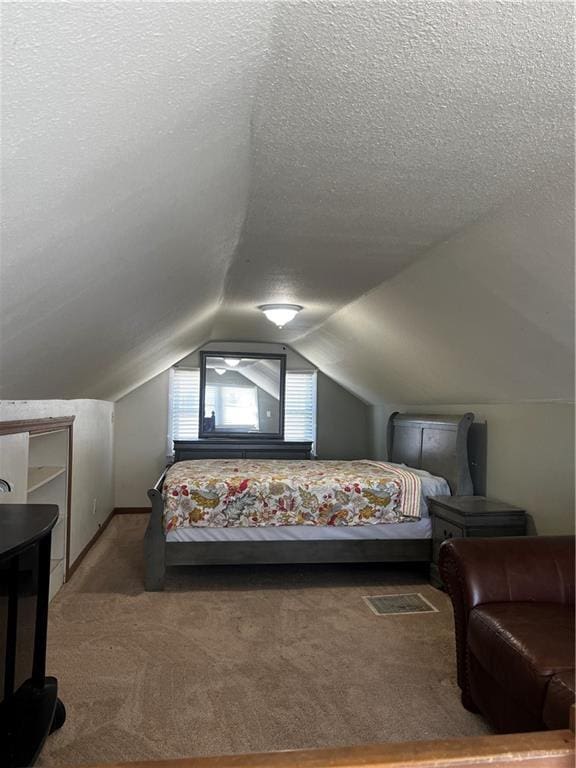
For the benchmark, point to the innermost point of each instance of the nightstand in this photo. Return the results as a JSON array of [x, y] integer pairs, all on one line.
[[470, 516]]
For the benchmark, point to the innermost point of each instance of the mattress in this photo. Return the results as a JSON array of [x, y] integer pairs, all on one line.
[[249, 492], [418, 529], [430, 485]]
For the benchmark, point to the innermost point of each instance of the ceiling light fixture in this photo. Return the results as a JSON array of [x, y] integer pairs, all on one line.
[[280, 314], [220, 371], [232, 361]]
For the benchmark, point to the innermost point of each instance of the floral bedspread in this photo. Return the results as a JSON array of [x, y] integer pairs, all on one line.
[[241, 493]]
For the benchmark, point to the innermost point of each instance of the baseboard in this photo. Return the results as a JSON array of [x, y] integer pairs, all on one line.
[[100, 531], [72, 568]]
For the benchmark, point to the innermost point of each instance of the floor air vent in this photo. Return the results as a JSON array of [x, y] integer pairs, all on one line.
[[393, 605]]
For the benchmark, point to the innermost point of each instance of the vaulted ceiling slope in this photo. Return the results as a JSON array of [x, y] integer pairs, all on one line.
[[404, 170], [487, 316], [126, 147]]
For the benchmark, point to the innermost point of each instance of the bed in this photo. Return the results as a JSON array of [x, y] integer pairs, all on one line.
[[245, 511]]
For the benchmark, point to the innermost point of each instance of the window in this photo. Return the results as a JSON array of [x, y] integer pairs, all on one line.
[[184, 405], [300, 406], [236, 406]]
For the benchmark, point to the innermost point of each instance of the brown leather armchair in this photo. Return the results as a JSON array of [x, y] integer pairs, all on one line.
[[513, 602]]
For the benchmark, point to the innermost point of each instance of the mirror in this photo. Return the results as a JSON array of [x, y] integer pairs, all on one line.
[[241, 395]]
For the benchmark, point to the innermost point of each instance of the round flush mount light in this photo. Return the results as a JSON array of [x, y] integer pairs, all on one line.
[[231, 361], [280, 314]]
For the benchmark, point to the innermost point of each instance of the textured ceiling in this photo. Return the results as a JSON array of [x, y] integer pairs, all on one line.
[[487, 316], [167, 167], [382, 128], [126, 133]]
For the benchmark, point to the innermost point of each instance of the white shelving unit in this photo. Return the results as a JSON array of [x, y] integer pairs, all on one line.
[[39, 476], [35, 459]]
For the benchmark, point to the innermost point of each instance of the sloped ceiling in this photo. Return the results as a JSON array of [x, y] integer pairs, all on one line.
[[126, 152], [487, 316], [403, 170]]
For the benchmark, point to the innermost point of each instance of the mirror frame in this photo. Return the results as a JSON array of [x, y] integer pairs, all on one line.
[[221, 434]]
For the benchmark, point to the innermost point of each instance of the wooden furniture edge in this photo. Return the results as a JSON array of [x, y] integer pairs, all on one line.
[[155, 541], [549, 748], [35, 425], [225, 448], [281, 356], [451, 461]]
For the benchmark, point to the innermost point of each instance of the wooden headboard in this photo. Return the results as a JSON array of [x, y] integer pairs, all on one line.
[[438, 444]]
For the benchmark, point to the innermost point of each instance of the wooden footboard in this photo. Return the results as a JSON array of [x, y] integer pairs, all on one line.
[[293, 552], [155, 542]]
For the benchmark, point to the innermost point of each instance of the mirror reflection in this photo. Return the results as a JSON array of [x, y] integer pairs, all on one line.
[[242, 395]]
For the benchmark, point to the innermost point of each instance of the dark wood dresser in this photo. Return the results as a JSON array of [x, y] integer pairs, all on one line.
[[470, 516], [216, 448]]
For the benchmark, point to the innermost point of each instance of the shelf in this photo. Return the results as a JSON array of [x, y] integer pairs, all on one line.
[[33, 435], [39, 476]]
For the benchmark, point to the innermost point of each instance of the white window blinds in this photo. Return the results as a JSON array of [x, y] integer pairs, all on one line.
[[300, 405], [184, 405]]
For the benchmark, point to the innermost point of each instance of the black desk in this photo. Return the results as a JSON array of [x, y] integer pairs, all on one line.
[[29, 704]]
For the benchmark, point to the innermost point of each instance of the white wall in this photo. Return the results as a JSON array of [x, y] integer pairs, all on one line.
[[530, 456], [93, 459], [141, 433], [344, 427]]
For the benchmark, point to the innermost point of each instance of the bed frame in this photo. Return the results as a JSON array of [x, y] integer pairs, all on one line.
[[438, 444]]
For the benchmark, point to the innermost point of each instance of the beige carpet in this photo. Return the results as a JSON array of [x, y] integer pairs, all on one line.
[[240, 659]]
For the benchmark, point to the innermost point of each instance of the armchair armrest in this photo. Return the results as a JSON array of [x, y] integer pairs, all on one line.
[[499, 570], [528, 569]]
